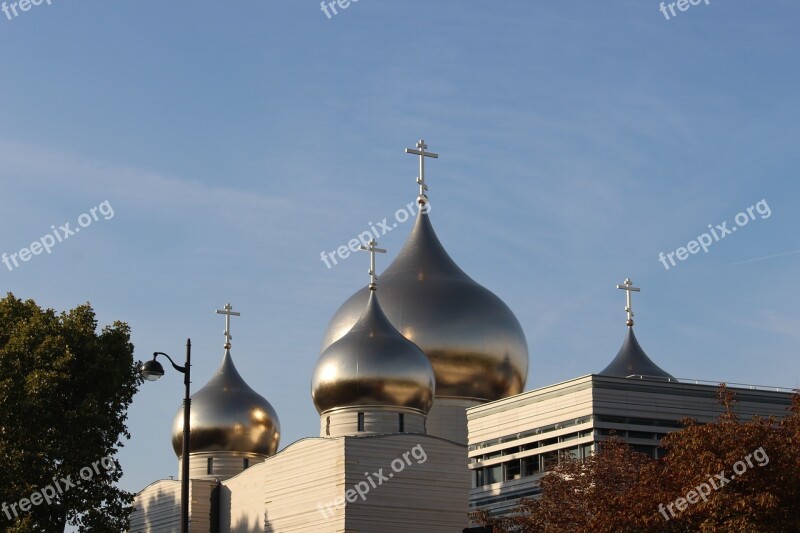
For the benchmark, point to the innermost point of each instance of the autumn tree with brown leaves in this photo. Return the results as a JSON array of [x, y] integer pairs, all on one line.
[[730, 475]]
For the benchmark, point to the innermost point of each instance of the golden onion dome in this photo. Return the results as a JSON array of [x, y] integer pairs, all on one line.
[[373, 365], [472, 338], [227, 415]]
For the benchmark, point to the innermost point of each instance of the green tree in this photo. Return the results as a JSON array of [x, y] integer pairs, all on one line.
[[64, 395]]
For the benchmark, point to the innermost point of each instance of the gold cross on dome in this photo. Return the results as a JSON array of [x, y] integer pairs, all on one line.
[[628, 286], [422, 199], [228, 312], [372, 249]]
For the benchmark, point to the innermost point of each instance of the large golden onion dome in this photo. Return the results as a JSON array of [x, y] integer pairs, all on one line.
[[474, 341], [227, 415], [373, 365]]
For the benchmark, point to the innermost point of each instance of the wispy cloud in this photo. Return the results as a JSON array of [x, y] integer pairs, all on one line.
[[766, 257]]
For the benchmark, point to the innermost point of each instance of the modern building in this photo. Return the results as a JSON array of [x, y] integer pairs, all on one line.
[[513, 442]]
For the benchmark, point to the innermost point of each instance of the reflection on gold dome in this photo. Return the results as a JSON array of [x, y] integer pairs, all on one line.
[[227, 415], [474, 341], [373, 365]]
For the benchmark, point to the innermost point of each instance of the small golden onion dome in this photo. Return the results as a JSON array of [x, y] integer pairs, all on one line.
[[227, 415], [472, 338], [373, 365]]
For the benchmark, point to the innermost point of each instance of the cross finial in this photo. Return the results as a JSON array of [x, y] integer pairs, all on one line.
[[227, 311], [372, 249], [628, 286], [422, 199]]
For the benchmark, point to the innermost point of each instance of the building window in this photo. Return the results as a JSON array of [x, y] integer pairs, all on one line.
[[649, 451], [512, 470], [494, 474], [549, 460], [573, 452], [402, 422], [245, 463], [530, 465], [210, 466], [361, 421], [548, 442], [586, 451], [328, 426]]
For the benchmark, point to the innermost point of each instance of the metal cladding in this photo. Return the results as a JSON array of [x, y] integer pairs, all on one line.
[[632, 361], [227, 415], [474, 341], [373, 365]]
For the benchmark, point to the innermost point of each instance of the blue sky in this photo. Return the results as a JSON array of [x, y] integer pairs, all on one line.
[[237, 141]]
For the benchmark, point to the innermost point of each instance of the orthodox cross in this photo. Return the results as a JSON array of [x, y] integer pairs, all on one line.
[[227, 311], [422, 199], [628, 286], [372, 249]]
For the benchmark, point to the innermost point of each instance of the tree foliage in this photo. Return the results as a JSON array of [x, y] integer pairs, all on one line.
[[64, 395], [730, 475]]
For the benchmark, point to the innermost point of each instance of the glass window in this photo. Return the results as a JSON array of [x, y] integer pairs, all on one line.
[[647, 450], [361, 421], [477, 479], [402, 422], [512, 470], [210, 466], [245, 463], [586, 451], [530, 465], [574, 452], [549, 460], [494, 474]]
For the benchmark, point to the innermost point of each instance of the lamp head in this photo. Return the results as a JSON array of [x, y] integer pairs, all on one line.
[[152, 370]]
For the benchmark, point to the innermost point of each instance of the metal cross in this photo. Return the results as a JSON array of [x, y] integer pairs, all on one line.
[[228, 314], [422, 199], [628, 286], [372, 249]]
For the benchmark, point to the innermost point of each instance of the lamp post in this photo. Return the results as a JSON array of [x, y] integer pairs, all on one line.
[[151, 371]]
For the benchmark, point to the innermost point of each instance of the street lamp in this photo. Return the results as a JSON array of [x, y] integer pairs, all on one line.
[[151, 371]]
